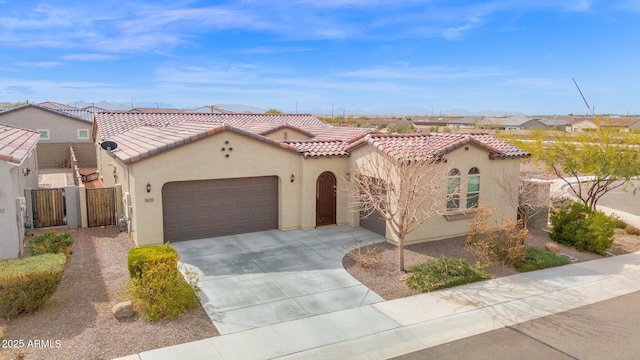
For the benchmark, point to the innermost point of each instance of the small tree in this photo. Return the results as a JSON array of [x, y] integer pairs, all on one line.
[[591, 163], [404, 191], [273, 111]]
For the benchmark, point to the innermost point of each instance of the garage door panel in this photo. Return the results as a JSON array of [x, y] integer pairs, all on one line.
[[209, 208]]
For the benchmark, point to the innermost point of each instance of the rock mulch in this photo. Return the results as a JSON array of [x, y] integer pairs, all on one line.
[[385, 279], [78, 322]]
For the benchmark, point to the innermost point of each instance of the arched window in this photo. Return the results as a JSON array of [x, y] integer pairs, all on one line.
[[453, 190], [473, 188]]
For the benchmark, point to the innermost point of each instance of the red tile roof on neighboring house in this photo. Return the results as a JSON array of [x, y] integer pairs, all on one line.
[[16, 143], [141, 135], [422, 147]]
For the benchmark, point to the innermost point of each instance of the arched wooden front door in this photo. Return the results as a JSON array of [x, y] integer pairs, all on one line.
[[326, 199]]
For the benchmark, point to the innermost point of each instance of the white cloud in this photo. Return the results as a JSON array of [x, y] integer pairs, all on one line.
[[40, 64], [89, 57]]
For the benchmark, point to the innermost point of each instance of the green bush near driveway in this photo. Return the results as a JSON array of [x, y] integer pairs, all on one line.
[[26, 284], [537, 259], [149, 255], [157, 287], [50, 242], [578, 226], [443, 272]]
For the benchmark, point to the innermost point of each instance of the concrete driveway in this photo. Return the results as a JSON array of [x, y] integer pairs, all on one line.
[[264, 278]]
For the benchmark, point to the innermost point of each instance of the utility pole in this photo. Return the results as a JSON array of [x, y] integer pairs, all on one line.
[[583, 98]]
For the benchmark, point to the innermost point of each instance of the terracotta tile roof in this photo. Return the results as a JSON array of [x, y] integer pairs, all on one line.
[[15, 143], [110, 124], [141, 135], [311, 148], [429, 146]]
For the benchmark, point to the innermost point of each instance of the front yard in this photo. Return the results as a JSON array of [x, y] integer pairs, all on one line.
[[384, 278], [78, 316]]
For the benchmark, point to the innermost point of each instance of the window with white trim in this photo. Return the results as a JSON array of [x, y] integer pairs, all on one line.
[[473, 188], [44, 134], [83, 134], [453, 190]]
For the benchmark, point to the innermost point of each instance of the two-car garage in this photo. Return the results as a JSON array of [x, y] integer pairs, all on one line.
[[208, 208]]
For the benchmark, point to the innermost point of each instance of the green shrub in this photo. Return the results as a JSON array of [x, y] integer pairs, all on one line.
[[162, 292], [579, 226], [537, 259], [156, 254], [51, 243], [441, 273], [632, 230], [26, 284]]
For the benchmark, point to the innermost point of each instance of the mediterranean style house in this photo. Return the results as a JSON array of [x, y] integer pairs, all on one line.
[[197, 175]]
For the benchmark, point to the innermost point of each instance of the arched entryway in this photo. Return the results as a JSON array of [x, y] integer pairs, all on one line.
[[326, 199]]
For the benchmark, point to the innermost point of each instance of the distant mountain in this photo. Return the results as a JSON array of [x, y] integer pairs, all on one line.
[[112, 105], [242, 108], [337, 111]]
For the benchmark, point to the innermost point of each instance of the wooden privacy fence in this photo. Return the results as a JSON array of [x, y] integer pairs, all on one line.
[[101, 207], [48, 207]]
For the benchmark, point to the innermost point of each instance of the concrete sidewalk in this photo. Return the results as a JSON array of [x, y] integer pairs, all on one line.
[[401, 326]]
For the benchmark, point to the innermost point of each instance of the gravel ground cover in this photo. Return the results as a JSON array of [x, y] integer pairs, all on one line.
[[77, 323], [385, 279]]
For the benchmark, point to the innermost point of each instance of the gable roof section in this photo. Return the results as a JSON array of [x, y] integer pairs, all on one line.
[[146, 141], [75, 114], [141, 135], [16, 143], [433, 146], [286, 126], [56, 106]]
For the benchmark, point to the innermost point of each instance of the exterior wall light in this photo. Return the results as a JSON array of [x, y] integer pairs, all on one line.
[[293, 178], [26, 171], [148, 187]]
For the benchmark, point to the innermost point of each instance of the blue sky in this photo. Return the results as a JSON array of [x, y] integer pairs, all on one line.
[[506, 55]]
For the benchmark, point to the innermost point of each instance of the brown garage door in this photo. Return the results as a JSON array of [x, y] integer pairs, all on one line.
[[208, 208]]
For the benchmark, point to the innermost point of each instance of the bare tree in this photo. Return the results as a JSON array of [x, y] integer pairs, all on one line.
[[404, 191], [527, 196]]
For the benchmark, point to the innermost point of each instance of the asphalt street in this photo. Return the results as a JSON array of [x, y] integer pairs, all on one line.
[[623, 199], [606, 330]]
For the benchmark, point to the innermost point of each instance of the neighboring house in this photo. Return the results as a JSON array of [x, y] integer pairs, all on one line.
[[58, 130], [56, 106], [191, 175], [624, 124], [583, 124], [17, 172], [509, 123], [561, 123]]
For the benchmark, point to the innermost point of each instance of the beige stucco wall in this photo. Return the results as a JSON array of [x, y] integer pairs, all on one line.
[[12, 186], [440, 226], [203, 160], [62, 129]]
